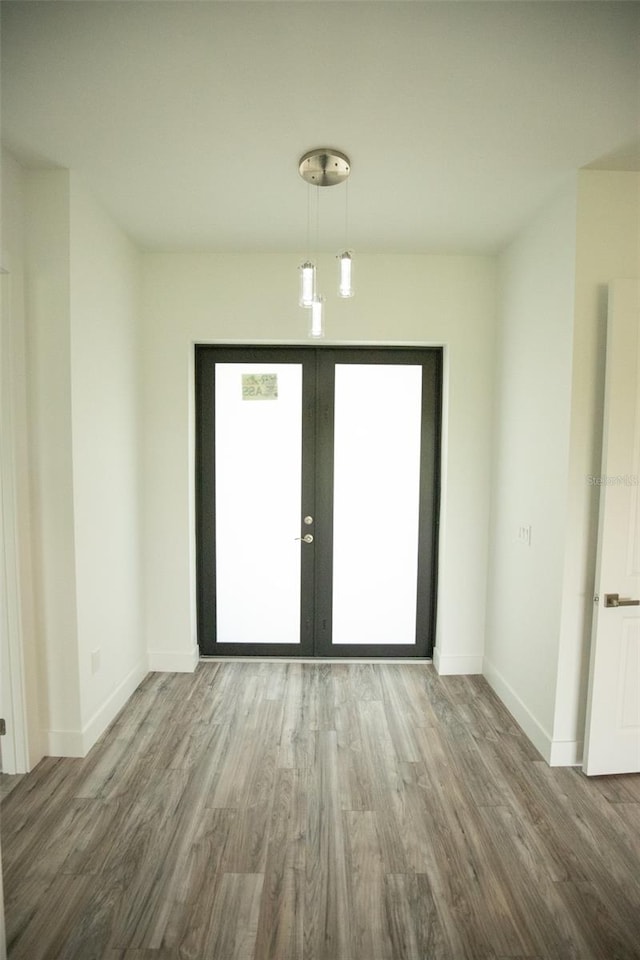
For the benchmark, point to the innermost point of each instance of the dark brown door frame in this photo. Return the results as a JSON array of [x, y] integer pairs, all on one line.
[[317, 495]]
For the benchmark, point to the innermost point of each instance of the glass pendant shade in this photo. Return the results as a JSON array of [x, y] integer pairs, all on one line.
[[307, 283], [316, 328], [345, 288]]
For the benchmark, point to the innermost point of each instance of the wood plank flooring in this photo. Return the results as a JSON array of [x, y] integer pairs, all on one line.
[[313, 811]]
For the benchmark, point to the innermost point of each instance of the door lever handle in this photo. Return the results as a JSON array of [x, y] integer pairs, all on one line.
[[308, 538], [613, 600]]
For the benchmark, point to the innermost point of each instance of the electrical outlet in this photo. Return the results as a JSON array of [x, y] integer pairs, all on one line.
[[524, 534], [95, 660]]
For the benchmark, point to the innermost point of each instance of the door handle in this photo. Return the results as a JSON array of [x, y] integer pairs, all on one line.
[[613, 600], [308, 538]]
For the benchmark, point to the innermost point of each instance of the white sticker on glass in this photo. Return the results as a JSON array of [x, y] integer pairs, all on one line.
[[259, 386]]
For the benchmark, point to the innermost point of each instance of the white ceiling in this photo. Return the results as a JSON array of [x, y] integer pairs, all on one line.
[[187, 119]]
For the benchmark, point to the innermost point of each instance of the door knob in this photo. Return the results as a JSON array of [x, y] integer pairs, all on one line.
[[613, 600], [308, 521], [308, 538]]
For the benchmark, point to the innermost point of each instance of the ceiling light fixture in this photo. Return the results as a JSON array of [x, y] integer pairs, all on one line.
[[323, 167]]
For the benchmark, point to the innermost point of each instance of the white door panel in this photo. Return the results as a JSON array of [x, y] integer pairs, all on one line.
[[612, 740], [258, 493], [3, 938], [376, 503]]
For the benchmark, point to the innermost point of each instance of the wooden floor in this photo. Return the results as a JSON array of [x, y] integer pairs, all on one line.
[[315, 811]]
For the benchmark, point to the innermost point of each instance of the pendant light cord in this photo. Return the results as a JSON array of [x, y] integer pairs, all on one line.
[[317, 222], [346, 215]]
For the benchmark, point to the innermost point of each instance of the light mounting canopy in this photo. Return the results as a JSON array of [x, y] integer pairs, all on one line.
[[324, 167]]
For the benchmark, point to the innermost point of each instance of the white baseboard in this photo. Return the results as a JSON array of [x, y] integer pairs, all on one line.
[[449, 666], [64, 743], [557, 753], [110, 709], [77, 743], [162, 661], [540, 737], [566, 753]]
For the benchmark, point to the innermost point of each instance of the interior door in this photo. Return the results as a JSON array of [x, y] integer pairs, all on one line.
[[612, 740], [3, 935], [317, 500]]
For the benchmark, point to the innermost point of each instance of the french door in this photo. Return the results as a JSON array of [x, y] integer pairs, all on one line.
[[317, 474]]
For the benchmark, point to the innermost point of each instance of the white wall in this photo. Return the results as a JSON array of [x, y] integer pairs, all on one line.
[[22, 747], [80, 315], [49, 355], [82, 369], [190, 298], [550, 384], [529, 485], [104, 384], [607, 247]]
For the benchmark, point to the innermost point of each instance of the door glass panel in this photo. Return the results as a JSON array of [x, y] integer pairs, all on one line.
[[376, 503], [258, 429]]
